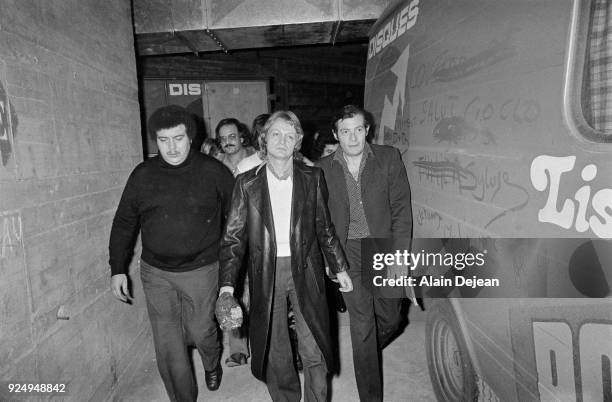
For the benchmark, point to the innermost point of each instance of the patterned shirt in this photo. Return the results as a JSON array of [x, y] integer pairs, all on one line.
[[358, 225]]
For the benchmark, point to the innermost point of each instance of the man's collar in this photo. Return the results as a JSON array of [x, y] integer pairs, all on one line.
[[264, 163]]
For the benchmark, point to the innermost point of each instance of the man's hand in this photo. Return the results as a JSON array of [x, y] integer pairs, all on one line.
[[119, 286], [344, 281], [228, 311]]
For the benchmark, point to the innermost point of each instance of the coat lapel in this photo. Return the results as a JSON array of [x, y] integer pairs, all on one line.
[[298, 197], [339, 183], [370, 173], [260, 197]]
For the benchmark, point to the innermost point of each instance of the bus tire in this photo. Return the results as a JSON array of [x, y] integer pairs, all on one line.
[[450, 367]]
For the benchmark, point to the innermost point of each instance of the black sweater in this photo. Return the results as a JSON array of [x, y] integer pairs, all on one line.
[[180, 210]]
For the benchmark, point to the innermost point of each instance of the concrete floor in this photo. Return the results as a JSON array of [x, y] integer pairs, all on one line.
[[405, 373]]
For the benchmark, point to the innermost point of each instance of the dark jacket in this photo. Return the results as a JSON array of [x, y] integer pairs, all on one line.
[[385, 194], [250, 225]]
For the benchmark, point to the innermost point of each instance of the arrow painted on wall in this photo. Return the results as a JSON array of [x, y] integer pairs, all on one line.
[[389, 112]]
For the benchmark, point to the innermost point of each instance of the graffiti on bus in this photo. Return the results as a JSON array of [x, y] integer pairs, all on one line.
[[482, 183]]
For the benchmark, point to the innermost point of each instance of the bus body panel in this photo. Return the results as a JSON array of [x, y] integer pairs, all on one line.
[[472, 94]]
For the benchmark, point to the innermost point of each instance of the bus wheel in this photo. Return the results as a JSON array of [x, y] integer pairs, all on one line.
[[450, 368]]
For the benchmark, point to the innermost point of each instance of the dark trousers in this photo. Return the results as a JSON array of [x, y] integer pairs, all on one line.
[[181, 308], [373, 323], [281, 376]]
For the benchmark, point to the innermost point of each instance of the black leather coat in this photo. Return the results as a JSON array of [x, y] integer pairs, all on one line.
[[250, 226]]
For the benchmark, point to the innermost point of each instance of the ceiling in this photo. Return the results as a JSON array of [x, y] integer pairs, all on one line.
[[193, 26]]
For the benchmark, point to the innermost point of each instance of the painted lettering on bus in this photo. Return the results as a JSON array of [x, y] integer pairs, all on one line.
[[546, 172], [395, 27], [557, 363]]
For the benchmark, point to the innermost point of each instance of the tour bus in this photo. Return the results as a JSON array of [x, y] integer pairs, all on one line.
[[502, 111]]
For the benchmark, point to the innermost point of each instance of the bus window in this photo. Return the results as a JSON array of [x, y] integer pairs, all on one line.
[[597, 102], [590, 99]]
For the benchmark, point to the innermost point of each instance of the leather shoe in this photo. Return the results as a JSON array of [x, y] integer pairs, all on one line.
[[236, 359], [213, 378]]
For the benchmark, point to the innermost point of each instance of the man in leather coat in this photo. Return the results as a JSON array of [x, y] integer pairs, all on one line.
[[279, 214]]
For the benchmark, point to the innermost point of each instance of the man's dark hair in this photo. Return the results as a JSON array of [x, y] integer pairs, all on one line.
[[347, 112], [245, 134], [257, 127], [227, 122], [169, 117], [324, 138]]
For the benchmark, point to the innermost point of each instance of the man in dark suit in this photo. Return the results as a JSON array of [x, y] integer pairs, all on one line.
[[370, 199], [279, 211]]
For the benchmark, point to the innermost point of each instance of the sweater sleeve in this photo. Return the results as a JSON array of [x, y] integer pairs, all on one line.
[[125, 228]]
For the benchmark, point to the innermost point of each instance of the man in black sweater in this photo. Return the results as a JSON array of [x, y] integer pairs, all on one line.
[[179, 200]]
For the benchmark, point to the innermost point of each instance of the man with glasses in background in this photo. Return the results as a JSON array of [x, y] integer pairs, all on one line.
[[234, 139]]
